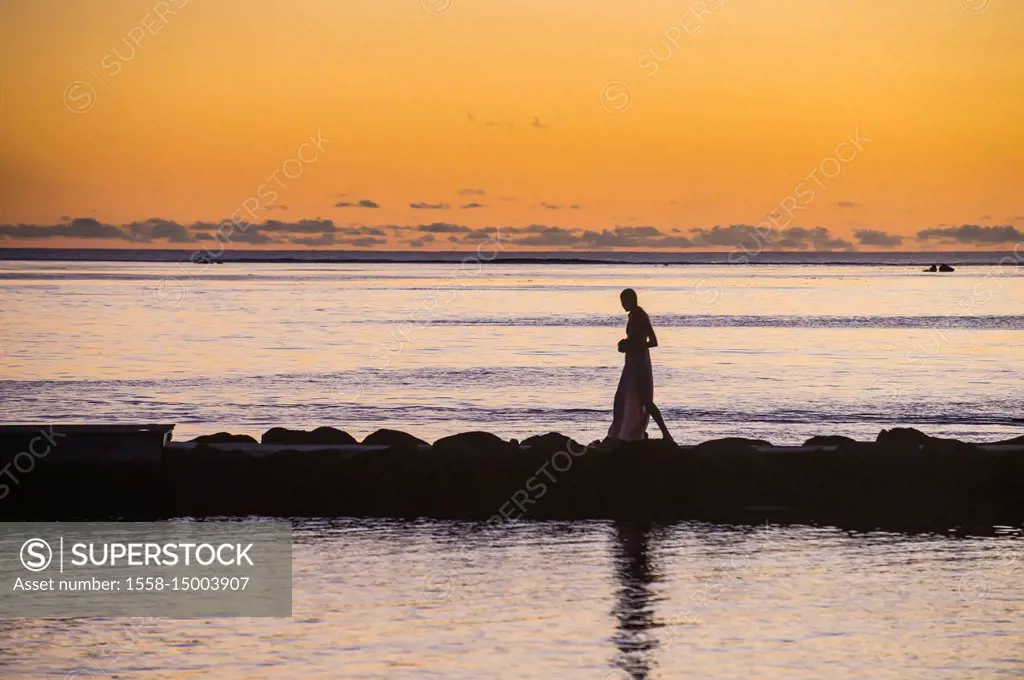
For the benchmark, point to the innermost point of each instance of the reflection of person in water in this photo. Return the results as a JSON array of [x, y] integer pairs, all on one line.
[[634, 603], [634, 398]]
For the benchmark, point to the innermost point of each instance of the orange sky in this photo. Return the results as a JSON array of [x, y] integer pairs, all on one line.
[[662, 114]]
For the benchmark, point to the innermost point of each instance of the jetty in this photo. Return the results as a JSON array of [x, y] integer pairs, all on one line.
[[904, 480]]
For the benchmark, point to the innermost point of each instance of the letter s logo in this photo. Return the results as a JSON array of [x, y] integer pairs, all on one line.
[[36, 554]]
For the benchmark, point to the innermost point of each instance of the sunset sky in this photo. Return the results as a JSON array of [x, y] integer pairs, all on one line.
[[570, 123]]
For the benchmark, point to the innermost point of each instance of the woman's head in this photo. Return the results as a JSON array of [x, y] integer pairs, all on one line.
[[628, 298]]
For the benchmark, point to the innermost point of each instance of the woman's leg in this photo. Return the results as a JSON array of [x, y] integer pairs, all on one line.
[[656, 414], [618, 412]]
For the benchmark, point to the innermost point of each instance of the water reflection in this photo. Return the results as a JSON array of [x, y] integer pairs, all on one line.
[[635, 571]]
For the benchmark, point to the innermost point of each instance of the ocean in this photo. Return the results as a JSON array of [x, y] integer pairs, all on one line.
[[588, 600], [778, 351], [781, 351]]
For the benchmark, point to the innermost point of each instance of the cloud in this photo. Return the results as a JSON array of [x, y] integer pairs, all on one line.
[[422, 241], [429, 206], [251, 235], [300, 227], [310, 232], [474, 204], [986, 218], [818, 238], [539, 235], [276, 207], [732, 235], [322, 232], [156, 228], [443, 228], [485, 234], [362, 231], [847, 204], [364, 203], [633, 237], [321, 240], [874, 237], [973, 234], [472, 192], [79, 227], [365, 242], [558, 206], [543, 236], [759, 238]]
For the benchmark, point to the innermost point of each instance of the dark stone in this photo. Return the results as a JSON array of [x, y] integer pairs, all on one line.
[[829, 440], [552, 442], [224, 438], [474, 443], [933, 268], [904, 435], [321, 435], [908, 438], [731, 443], [946, 268], [394, 438], [1016, 441]]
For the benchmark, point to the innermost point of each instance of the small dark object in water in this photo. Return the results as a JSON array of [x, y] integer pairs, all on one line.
[[946, 268], [933, 268]]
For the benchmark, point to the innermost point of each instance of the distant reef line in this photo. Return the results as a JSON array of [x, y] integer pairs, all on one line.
[[738, 256]]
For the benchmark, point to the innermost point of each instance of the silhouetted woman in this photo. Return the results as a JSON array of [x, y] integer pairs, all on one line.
[[634, 398]]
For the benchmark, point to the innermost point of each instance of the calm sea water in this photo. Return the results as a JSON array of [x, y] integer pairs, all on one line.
[[587, 600], [779, 352]]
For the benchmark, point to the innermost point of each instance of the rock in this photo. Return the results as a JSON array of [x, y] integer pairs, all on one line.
[[474, 443], [946, 268], [829, 440], [908, 436], [552, 442], [224, 438], [1016, 441], [933, 268], [321, 435], [731, 443], [903, 435], [385, 437]]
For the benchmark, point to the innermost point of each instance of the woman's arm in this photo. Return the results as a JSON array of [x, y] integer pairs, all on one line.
[[652, 339], [639, 340]]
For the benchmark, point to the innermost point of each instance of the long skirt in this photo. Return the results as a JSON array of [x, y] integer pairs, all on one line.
[[635, 392]]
